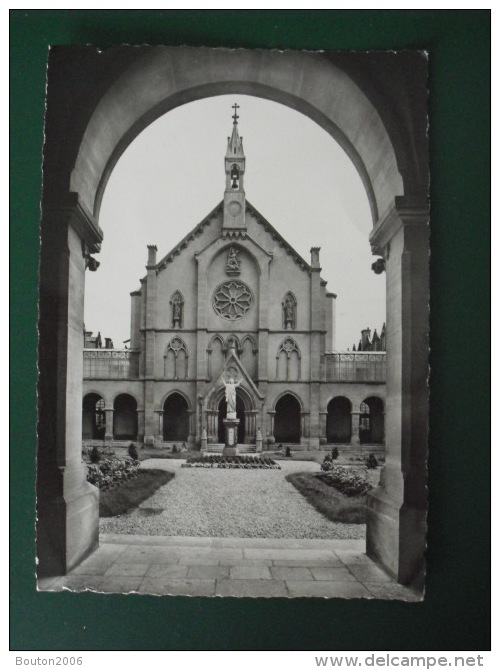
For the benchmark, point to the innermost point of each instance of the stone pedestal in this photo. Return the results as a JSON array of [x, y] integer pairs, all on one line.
[[231, 435]]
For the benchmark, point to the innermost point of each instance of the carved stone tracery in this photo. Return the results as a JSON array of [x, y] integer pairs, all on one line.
[[232, 300]]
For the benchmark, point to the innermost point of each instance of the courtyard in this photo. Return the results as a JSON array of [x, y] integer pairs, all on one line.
[[230, 503], [240, 533]]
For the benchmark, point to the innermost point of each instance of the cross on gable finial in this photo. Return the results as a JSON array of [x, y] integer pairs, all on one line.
[[235, 115]]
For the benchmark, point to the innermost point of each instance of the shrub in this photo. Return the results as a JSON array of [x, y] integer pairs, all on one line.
[[371, 462], [132, 452], [335, 453], [288, 452], [346, 481], [111, 472], [174, 449], [95, 456], [327, 464]]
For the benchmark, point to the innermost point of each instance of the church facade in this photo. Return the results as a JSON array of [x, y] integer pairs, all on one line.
[[233, 300]]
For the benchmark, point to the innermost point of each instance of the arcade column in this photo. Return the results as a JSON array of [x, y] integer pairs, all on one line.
[[396, 520], [67, 505]]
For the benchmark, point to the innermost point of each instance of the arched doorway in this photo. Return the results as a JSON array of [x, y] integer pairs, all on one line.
[[125, 417], [93, 417], [287, 420], [175, 418], [338, 421], [240, 414], [386, 140], [371, 421]]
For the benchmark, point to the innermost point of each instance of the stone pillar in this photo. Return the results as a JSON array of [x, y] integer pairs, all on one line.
[[203, 444], [212, 428], [160, 424], [258, 440], [140, 425], [304, 427], [355, 429], [151, 421], [271, 424], [67, 505], [396, 520], [150, 418], [192, 426], [108, 435], [323, 418]]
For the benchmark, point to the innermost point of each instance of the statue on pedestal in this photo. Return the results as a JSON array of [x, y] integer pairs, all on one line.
[[231, 396]]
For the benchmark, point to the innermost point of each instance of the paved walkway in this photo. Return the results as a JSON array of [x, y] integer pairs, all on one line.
[[253, 567]]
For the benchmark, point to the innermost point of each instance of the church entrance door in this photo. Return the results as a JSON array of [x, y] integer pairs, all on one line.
[[175, 419], [287, 420], [240, 414]]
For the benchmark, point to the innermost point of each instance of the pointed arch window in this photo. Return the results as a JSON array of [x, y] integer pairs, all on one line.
[[215, 356], [249, 355], [288, 361], [177, 305], [289, 308], [176, 359]]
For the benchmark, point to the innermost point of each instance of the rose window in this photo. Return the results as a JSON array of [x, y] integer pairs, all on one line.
[[232, 300]]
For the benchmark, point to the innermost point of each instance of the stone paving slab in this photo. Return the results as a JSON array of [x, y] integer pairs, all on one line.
[[249, 572], [294, 573], [208, 572], [289, 554], [313, 589], [251, 588], [332, 574], [178, 587], [167, 571]]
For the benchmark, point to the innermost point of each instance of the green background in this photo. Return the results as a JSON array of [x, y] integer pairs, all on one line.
[[455, 613]]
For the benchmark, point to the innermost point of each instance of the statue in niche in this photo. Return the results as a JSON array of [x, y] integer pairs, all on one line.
[[288, 312], [177, 307], [231, 397], [232, 263]]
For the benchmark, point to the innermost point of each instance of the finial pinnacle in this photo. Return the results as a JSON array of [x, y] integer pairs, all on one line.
[[235, 115]]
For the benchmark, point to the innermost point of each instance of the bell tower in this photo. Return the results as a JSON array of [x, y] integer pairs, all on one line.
[[234, 165]]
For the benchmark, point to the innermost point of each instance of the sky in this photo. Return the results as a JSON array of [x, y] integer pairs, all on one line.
[[297, 176]]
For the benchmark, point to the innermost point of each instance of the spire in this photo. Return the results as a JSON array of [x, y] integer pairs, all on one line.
[[235, 143], [234, 166]]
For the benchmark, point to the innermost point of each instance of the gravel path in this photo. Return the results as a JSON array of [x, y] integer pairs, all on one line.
[[229, 503]]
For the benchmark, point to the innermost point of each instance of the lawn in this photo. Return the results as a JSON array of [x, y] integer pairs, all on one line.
[[332, 504], [113, 502]]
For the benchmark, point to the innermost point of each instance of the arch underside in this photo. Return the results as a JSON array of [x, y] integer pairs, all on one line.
[[162, 79]]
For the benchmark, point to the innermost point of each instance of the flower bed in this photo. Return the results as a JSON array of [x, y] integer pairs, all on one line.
[[111, 472], [103, 451], [243, 462], [346, 481]]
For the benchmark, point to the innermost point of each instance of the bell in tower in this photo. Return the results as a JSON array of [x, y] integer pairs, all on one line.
[[235, 177]]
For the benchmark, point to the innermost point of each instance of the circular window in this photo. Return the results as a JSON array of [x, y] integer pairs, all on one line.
[[232, 300]]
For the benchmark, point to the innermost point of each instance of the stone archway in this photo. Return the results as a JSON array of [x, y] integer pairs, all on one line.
[[125, 417], [371, 421], [287, 420], [175, 418], [93, 417], [99, 103], [338, 421]]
